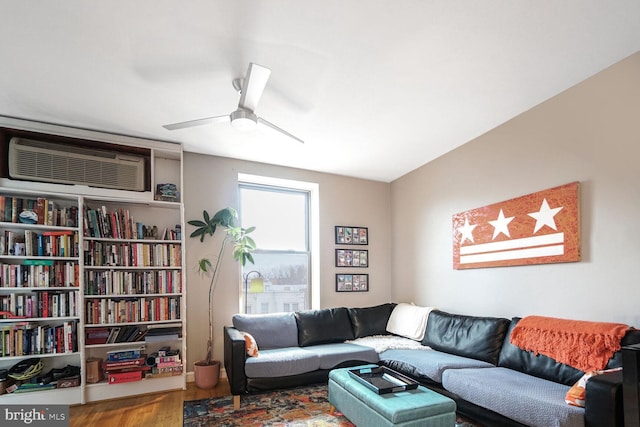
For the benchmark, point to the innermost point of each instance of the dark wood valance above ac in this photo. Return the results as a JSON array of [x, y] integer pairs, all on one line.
[[66, 143]]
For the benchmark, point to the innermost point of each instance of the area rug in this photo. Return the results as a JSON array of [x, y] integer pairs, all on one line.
[[298, 407]]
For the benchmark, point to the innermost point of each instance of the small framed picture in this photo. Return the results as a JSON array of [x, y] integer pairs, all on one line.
[[352, 282], [352, 258], [347, 235]]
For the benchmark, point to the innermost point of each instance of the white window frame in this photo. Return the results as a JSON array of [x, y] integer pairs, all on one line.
[[314, 228]]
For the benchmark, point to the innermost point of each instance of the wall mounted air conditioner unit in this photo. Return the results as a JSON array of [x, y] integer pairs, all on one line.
[[68, 164]]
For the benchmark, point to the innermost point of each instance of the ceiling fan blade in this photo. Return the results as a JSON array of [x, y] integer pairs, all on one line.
[[198, 122], [268, 125], [253, 86]]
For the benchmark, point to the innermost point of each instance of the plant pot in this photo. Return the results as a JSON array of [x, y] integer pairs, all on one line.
[[206, 374]]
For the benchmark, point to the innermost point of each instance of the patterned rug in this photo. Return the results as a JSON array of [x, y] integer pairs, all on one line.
[[297, 407]]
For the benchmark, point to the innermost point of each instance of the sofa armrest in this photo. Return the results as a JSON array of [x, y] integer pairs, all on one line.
[[235, 356], [631, 384], [603, 403]]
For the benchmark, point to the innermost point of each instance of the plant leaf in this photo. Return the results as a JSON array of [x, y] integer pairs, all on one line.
[[197, 232], [204, 264]]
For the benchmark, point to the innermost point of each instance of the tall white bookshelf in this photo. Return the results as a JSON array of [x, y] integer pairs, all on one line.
[[153, 260]]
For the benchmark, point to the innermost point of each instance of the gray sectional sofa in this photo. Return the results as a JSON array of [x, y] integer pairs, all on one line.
[[469, 359]]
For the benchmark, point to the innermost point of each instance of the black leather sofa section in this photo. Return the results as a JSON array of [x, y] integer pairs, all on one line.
[[323, 326], [368, 321], [479, 338]]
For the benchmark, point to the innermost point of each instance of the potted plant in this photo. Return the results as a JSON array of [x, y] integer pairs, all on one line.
[[207, 371]]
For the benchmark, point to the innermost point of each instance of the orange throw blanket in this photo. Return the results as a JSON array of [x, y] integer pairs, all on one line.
[[587, 346]]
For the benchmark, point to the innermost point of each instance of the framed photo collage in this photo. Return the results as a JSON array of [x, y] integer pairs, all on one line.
[[352, 257]]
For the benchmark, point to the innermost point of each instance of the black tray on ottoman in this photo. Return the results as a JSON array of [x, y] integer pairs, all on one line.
[[383, 380]]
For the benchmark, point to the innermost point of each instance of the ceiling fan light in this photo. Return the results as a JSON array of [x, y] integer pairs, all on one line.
[[244, 120], [243, 124]]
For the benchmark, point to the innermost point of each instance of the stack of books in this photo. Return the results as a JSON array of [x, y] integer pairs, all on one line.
[[124, 366], [167, 363]]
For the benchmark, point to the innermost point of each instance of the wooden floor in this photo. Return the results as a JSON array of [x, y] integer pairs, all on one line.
[[157, 410]]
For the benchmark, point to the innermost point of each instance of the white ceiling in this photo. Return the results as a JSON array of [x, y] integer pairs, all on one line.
[[375, 88]]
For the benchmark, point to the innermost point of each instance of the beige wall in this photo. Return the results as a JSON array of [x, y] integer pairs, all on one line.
[[211, 183], [591, 134]]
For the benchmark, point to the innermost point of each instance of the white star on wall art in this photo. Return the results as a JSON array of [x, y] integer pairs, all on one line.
[[501, 225], [467, 231], [545, 216]]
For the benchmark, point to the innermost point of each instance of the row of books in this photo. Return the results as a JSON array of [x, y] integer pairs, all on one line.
[[99, 282], [130, 310], [31, 243], [37, 211], [31, 339], [119, 224], [98, 254], [40, 304], [39, 274]]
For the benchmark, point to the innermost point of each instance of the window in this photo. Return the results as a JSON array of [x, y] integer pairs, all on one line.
[[280, 280]]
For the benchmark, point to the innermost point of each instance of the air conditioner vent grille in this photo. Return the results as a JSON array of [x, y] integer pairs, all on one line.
[[49, 162]]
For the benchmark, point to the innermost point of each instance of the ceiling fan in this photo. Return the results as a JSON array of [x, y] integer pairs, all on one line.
[[244, 117]]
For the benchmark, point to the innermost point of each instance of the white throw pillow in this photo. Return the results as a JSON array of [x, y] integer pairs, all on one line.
[[409, 321]]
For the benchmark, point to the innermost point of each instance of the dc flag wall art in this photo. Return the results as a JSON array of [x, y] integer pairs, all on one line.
[[538, 228]]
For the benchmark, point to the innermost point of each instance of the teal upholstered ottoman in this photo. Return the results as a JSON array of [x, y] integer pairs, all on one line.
[[366, 408]]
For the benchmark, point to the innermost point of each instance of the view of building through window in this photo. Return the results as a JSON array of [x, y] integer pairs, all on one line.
[[280, 278]]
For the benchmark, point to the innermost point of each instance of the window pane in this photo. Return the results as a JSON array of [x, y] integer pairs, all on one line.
[[280, 217], [284, 284]]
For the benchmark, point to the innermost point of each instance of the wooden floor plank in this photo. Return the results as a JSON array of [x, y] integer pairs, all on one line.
[[158, 409]]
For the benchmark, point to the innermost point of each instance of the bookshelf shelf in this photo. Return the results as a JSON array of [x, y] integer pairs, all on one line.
[[41, 227], [166, 294], [109, 325], [37, 257], [122, 344], [42, 355], [39, 288], [134, 267], [39, 319]]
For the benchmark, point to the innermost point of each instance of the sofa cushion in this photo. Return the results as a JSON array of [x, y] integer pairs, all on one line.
[[269, 330], [332, 355], [468, 336], [323, 326], [576, 395], [524, 398], [429, 363], [250, 344], [541, 366], [409, 321], [281, 362], [370, 320]]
